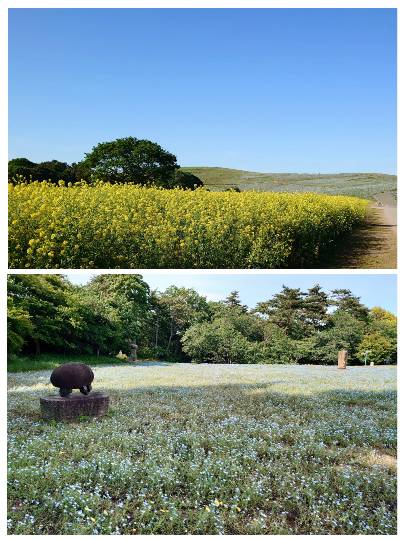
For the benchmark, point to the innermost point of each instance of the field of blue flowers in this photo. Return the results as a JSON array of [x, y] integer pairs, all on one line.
[[209, 449]]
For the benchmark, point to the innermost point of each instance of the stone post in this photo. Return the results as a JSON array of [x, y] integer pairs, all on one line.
[[342, 359], [133, 355]]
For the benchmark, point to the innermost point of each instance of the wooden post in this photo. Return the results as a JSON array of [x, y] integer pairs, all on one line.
[[342, 359]]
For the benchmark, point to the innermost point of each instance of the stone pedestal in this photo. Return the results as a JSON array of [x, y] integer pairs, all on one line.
[[342, 359], [74, 406]]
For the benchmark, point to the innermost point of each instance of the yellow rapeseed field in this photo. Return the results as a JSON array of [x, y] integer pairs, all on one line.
[[129, 226]]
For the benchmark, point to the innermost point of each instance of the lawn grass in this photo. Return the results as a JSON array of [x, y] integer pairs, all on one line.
[[209, 449], [17, 364]]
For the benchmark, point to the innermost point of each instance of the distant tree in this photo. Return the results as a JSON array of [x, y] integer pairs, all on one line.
[[220, 343], [21, 167], [184, 307], [380, 339], [128, 295], [376, 348], [41, 296], [383, 322], [132, 160], [345, 301], [345, 332], [47, 170], [315, 308], [19, 327], [285, 309], [186, 180], [278, 348], [233, 301]]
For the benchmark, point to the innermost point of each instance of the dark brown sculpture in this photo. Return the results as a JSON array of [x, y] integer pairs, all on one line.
[[70, 376]]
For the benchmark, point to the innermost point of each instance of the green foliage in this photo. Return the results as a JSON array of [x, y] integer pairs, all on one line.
[[286, 310], [22, 169], [278, 348], [132, 160], [186, 180], [219, 342], [345, 332], [377, 348], [48, 313], [19, 327]]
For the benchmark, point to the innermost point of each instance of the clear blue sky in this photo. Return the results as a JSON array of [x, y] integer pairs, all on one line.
[[276, 90], [373, 289]]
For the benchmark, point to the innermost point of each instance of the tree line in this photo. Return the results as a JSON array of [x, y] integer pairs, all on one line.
[[47, 313], [124, 160]]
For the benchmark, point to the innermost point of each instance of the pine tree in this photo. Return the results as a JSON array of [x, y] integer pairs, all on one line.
[[286, 310], [345, 301], [316, 303]]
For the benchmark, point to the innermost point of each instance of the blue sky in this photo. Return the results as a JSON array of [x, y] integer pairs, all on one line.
[[276, 90], [373, 289]]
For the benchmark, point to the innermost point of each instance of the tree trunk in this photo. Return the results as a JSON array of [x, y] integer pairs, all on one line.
[[171, 335]]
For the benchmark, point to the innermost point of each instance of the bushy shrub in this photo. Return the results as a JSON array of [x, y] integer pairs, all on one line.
[[218, 342]]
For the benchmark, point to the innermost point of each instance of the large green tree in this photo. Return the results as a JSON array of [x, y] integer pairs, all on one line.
[[132, 160], [315, 308], [286, 310], [41, 297], [219, 342], [183, 308], [346, 302]]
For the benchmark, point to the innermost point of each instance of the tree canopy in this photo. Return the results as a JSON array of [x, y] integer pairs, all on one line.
[[123, 160], [48, 313], [132, 160]]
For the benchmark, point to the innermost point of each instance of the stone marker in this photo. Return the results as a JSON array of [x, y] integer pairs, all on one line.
[[342, 359], [133, 355], [68, 406], [74, 406]]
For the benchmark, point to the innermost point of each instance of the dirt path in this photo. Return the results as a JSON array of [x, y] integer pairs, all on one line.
[[374, 243]]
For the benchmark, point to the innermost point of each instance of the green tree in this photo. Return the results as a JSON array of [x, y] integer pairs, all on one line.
[[183, 307], [19, 327], [345, 301], [186, 180], [233, 301], [132, 160], [286, 310], [376, 348], [53, 170], [219, 342], [41, 296], [21, 167], [315, 308], [128, 296], [346, 332], [278, 348]]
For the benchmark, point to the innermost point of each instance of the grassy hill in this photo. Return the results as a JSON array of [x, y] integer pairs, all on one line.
[[359, 184]]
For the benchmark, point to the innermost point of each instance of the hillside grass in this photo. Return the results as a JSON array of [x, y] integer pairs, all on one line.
[[209, 449], [364, 185]]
